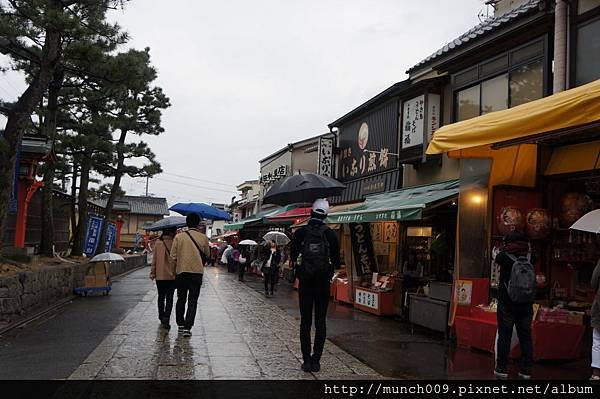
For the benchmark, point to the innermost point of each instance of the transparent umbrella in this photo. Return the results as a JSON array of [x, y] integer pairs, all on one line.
[[278, 237]]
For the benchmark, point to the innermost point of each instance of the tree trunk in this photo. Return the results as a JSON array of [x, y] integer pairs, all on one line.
[[18, 118], [74, 199], [114, 190], [80, 231], [47, 242]]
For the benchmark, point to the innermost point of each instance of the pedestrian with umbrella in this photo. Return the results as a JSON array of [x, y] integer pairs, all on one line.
[[270, 267], [245, 257], [163, 271], [189, 253], [320, 251], [590, 222]]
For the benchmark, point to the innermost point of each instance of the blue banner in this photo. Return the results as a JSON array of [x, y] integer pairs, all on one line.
[[111, 237], [94, 228]]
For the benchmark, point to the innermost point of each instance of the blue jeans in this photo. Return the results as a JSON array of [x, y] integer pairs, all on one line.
[[520, 316]]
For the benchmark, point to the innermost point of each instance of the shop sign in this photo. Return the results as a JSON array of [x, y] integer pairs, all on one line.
[[325, 166], [367, 145], [404, 214], [92, 236], [373, 186], [362, 246], [275, 175], [367, 298], [415, 129]]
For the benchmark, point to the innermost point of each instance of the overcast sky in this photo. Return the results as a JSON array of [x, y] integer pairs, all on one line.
[[245, 78]]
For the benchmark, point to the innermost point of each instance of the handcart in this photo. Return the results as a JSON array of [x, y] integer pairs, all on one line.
[[97, 274]]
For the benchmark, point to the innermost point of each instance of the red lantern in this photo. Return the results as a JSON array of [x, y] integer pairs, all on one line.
[[510, 219], [537, 223], [572, 207]]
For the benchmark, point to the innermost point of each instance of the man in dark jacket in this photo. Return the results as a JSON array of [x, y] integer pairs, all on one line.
[[510, 313], [319, 259]]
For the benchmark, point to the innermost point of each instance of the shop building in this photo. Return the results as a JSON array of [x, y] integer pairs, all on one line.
[[528, 161]]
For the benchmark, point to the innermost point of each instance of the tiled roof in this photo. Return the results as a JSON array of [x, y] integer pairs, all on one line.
[[147, 205], [483, 29], [140, 205]]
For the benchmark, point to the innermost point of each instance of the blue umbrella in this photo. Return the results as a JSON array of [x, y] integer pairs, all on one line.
[[171, 222], [202, 210]]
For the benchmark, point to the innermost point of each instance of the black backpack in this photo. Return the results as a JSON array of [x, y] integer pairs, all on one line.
[[315, 251], [522, 284]]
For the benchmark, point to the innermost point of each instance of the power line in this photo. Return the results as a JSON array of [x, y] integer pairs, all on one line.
[[195, 178], [191, 185]]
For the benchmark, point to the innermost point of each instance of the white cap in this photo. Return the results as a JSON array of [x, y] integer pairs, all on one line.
[[321, 206]]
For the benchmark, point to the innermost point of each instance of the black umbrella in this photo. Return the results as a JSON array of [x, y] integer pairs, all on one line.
[[303, 188]]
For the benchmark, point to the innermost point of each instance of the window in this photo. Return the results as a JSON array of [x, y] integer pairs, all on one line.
[[588, 53], [494, 94], [507, 80], [586, 5], [526, 83], [467, 103]]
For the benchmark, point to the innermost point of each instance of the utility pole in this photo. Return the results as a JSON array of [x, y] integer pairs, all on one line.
[[147, 179]]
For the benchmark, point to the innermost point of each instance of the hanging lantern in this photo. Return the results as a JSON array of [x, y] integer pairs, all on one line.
[[572, 207], [537, 223], [510, 219]]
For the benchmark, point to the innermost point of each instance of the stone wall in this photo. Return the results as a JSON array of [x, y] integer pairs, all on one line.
[[24, 293]]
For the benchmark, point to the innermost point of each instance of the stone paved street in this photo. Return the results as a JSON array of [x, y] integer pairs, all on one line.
[[239, 334]]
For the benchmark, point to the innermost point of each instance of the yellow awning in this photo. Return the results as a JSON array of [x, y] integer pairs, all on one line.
[[568, 109], [574, 158]]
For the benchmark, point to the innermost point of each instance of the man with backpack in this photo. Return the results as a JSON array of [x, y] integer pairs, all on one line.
[[318, 245], [189, 252], [516, 294]]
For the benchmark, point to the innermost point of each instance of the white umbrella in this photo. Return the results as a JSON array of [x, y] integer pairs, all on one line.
[[278, 237], [107, 257], [589, 222], [248, 242]]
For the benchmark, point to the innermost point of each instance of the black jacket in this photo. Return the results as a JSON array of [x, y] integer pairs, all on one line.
[[334, 245], [275, 260]]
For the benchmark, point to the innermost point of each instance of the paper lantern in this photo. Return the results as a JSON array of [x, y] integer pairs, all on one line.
[[510, 219], [537, 223], [572, 207]]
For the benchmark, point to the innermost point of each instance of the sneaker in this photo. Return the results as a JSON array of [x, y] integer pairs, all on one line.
[[306, 367], [501, 374], [315, 366], [187, 333], [267, 294], [271, 293], [595, 378], [166, 326], [525, 374], [180, 329]]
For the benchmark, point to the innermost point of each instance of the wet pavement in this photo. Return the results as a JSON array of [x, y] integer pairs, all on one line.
[[238, 334]]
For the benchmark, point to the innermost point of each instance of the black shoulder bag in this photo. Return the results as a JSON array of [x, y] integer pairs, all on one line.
[[202, 255]]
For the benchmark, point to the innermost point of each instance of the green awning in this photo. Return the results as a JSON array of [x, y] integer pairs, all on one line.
[[259, 218], [401, 205]]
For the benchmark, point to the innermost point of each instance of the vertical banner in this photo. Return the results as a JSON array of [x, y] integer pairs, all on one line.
[[413, 116], [325, 167], [13, 203], [362, 246], [111, 237], [94, 228]]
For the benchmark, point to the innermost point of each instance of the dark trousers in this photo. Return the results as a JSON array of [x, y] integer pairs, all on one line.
[[520, 316], [270, 277], [188, 290], [313, 293], [241, 271], [166, 289]]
